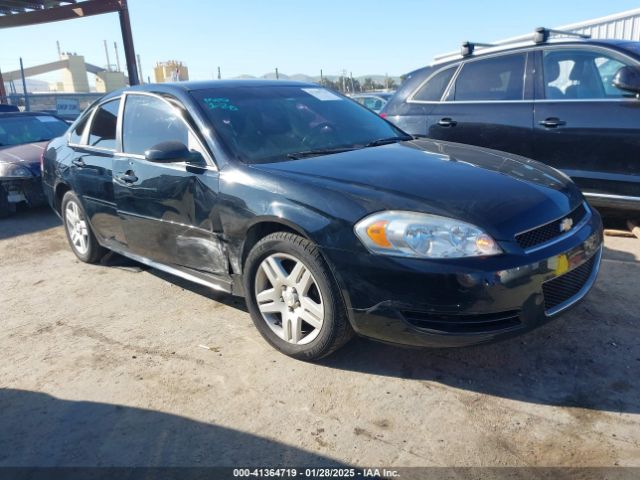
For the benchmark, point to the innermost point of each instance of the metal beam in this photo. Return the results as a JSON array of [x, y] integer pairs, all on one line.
[[64, 12], [127, 41], [37, 70], [79, 10]]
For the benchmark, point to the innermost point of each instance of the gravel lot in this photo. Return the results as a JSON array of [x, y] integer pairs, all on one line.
[[104, 365]]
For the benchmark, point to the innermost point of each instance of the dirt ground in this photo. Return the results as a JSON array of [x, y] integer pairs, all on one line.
[[105, 365]]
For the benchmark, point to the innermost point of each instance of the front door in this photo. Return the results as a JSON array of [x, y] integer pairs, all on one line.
[[584, 125], [167, 208]]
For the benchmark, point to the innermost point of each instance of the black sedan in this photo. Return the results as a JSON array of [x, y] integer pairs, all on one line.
[[23, 137], [327, 218]]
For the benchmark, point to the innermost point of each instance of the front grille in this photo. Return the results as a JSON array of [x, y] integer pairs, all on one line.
[[550, 230], [560, 289], [487, 322]]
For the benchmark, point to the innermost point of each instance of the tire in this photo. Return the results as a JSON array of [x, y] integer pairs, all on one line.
[[315, 295], [89, 250]]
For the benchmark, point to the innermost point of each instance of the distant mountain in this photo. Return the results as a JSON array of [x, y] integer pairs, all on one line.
[[32, 86], [301, 77]]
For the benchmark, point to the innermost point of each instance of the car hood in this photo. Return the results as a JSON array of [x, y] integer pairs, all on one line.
[[502, 193], [27, 154]]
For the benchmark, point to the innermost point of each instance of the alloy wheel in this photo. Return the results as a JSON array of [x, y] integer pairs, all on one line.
[[77, 227], [289, 298]]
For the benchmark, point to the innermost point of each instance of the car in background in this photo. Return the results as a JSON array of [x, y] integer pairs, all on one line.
[[8, 108], [570, 103], [324, 216], [374, 101], [23, 137]]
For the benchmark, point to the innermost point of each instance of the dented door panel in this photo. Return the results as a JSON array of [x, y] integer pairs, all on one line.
[[167, 213]]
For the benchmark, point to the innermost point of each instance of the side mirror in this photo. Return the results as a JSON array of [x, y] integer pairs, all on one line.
[[167, 152], [628, 79], [171, 152]]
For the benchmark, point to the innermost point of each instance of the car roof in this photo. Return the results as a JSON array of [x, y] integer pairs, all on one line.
[[515, 47], [190, 86]]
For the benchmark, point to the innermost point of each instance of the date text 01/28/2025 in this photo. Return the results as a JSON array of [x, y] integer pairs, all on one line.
[[314, 472]]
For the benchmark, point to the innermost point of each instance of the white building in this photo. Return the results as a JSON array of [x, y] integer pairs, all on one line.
[[620, 26]]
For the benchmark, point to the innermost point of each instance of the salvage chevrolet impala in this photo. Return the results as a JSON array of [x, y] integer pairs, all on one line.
[[325, 217]]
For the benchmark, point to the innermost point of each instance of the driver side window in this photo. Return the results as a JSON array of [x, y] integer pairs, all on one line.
[[581, 74], [148, 121]]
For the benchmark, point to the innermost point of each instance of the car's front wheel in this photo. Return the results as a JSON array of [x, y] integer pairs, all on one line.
[[293, 299], [82, 240]]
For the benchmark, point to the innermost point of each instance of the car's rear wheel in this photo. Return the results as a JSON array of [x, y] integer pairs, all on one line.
[[81, 239], [293, 299]]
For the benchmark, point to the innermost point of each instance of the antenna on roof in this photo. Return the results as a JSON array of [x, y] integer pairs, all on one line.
[[468, 47], [541, 34]]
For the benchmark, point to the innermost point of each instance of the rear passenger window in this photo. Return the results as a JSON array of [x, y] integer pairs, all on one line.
[[76, 135], [103, 127], [433, 90], [494, 79]]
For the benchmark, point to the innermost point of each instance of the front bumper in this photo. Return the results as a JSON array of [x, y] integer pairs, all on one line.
[[23, 189], [458, 302]]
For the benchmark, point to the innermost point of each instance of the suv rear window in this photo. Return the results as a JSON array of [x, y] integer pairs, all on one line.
[[433, 90], [494, 79]]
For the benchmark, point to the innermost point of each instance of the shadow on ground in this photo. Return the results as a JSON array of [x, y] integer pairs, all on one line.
[[28, 221], [40, 430]]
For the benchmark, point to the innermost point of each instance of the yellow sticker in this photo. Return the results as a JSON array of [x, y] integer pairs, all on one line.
[[563, 264]]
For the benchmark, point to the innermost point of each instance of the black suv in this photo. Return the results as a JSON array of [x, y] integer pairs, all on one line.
[[571, 103]]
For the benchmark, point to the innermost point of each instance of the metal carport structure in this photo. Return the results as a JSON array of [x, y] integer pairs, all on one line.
[[20, 13]]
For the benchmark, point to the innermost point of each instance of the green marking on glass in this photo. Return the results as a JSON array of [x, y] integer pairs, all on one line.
[[221, 103]]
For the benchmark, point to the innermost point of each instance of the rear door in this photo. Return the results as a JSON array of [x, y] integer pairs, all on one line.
[[584, 125], [168, 209], [488, 104], [93, 144]]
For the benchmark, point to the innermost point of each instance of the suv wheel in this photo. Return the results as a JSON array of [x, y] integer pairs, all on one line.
[[293, 299], [82, 240]]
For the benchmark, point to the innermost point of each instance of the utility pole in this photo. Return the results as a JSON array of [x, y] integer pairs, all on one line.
[[115, 47], [277, 74], [321, 78], [24, 87], [344, 85], [353, 89], [219, 75]]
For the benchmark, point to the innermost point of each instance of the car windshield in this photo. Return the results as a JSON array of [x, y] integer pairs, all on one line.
[[20, 129], [274, 123]]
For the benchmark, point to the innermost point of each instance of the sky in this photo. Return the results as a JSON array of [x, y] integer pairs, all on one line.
[[296, 36]]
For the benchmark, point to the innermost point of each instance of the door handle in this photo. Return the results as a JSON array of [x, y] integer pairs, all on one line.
[[78, 162], [552, 122], [128, 177], [447, 122]]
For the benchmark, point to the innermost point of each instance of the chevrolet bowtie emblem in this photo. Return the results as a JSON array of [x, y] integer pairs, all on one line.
[[566, 224]]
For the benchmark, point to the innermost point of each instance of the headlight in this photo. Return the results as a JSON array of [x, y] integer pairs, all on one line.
[[11, 170], [409, 234]]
